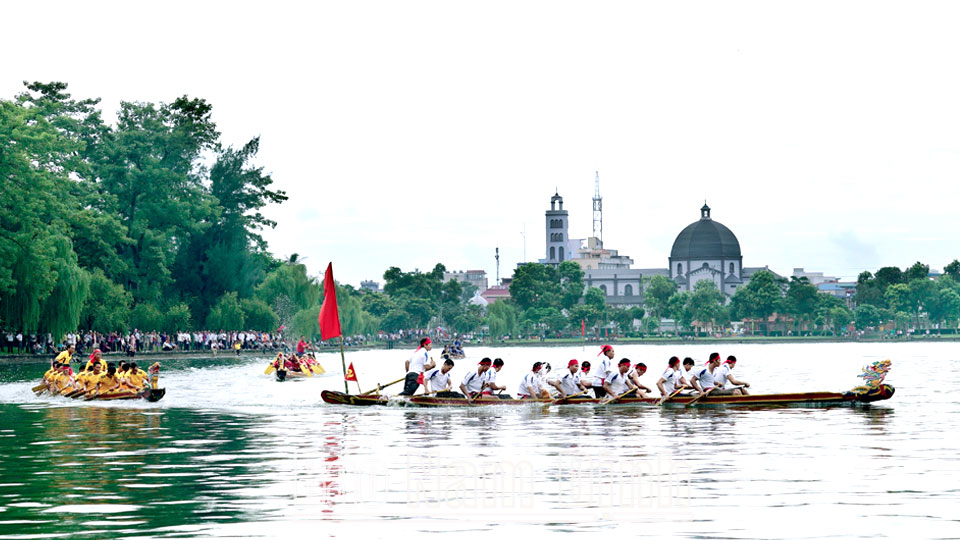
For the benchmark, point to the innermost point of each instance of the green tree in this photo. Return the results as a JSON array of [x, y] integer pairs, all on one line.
[[258, 315], [571, 283], [867, 316], [177, 318], [535, 285], [801, 301], [107, 308], [227, 313], [658, 294], [759, 299], [145, 316], [501, 318], [704, 305], [953, 270], [917, 271]]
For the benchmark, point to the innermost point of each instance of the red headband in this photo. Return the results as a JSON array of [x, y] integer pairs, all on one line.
[[573, 363], [728, 361], [625, 361], [426, 341], [484, 362]]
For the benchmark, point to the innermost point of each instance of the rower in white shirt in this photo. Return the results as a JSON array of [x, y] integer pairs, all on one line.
[[472, 385], [490, 382], [603, 368], [570, 383], [437, 380], [635, 374], [703, 381], [723, 374], [617, 382], [671, 379], [530, 385]]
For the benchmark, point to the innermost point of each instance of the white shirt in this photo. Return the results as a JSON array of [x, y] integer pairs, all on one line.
[[569, 383], [437, 378], [532, 380], [720, 375], [473, 382], [671, 378], [602, 371], [705, 378], [418, 360], [617, 382], [490, 377]]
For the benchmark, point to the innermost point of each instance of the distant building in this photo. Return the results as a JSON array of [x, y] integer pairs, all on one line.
[[815, 278], [476, 277], [369, 286], [497, 292]]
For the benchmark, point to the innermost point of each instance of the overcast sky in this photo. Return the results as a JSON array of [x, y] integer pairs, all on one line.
[[825, 135]]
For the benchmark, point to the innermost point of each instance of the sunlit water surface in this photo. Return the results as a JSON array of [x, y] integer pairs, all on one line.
[[230, 452]]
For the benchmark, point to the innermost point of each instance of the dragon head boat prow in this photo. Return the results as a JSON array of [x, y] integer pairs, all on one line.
[[873, 388]]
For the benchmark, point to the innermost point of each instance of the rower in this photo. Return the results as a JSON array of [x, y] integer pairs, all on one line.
[[723, 374], [570, 383], [490, 384], [617, 382], [66, 355], [543, 374], [704, 379], [671, 378], [415, 366], [437, 380], [603, 369], [302, 345], [686, 376], [635, 374], [530, 385], [109, 381], [472, 385], [92, 379], [136, 377]]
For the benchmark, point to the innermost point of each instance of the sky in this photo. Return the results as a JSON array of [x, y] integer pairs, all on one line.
[[823, 134]]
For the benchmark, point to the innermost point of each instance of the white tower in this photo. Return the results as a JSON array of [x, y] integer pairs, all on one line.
[[556, 232]]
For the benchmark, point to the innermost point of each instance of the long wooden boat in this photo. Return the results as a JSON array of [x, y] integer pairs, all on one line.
[[798, 398]]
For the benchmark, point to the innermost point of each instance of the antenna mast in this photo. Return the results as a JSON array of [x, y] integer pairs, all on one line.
[[598, 213], [498, 266]]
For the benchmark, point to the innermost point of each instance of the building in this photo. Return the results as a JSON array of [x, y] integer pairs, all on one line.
[[476, 277], [369, 286], [704, 250], [815, 278]]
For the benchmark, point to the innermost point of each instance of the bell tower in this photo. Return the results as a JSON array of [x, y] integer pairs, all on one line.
[[556, 231]]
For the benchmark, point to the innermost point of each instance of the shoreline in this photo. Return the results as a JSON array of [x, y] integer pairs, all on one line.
[[6, 358]]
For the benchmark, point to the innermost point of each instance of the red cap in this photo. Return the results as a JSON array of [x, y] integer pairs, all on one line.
[[604, 349], [573, 363]]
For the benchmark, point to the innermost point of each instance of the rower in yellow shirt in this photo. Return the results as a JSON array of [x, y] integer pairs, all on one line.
[[136, 378], [109, 381], [91, 377]]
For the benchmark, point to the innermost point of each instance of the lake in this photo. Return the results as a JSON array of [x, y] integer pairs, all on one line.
[[230, 453]]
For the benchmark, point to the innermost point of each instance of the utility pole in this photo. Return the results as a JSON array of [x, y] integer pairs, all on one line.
[[498, 267]]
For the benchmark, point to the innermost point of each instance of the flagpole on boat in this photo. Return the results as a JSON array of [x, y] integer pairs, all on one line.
[[343, 362], [329, 318]]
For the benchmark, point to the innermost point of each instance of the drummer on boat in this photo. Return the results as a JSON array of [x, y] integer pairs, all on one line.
[[473, 384], [96, 358], [66, 355], [416, 365]]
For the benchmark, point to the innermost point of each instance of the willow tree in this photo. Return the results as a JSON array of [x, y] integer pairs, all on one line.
[[62, 307]]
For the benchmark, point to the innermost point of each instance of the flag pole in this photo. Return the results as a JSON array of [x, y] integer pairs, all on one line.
[[343, 362]]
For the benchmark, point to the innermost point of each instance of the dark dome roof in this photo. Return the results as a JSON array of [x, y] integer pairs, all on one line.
[[705, 239]]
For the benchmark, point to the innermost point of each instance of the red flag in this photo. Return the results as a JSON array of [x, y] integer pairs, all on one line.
[[583, 328], [329, 317], [350, 375]]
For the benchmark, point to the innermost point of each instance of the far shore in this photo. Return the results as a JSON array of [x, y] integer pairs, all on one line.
[[144, 357]]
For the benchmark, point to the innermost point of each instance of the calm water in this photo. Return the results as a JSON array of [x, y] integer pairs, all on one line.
[[229, 452]]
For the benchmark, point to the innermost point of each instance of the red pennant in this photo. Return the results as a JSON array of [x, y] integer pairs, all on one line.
[[329, 317], [350, 375]]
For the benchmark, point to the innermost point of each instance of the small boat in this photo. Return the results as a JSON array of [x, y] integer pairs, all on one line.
[[873, 391]]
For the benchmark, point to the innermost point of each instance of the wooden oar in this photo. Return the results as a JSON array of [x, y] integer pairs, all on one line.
[[318, 369], [701, 396], [270, 369], [39, 387], [304, 368], [554, 402], [671, 396], [616, 399], [382, 387]]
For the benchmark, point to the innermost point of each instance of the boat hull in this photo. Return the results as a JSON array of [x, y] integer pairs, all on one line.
[[797, 398]]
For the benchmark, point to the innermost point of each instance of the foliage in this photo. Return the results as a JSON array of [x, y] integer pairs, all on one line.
[[226, 314], [258, 315]]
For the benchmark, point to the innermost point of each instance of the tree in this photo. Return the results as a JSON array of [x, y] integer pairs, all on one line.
[[501, 318], [953, 270], [658, 294], [107, 308], [534, 285], [571, 283], [227, 313], [760, 298], [801, 300], [917, 271], [705, 304], [867, 316], [258, 315], [145, 316], [177, 318]]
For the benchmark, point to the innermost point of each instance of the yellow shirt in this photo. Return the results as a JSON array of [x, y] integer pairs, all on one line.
[[103, 364], [136, 379], [108, 383], [64, 357]]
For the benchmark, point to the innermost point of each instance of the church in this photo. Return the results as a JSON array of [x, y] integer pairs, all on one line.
[[704, 250]]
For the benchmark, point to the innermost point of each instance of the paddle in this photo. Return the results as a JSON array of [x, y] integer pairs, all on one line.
[[701, 396], [671, 396], [270, 369], [39, 388], [305, 368], [616, 399], [318, 369], [382, 387], [554, 402]]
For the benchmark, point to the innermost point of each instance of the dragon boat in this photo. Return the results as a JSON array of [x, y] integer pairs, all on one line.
[[294, 367], [873, 390], [150, 393]]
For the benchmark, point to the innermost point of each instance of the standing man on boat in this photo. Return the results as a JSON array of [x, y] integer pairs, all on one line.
[[724, 374], [66, 355], [472, 385], [618, 382], [416, 365], [603, 369], [437, 380], [301, 346]]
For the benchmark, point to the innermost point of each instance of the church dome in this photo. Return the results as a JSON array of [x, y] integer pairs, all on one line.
[[705, 239]]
